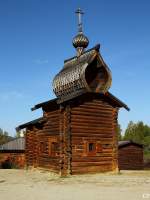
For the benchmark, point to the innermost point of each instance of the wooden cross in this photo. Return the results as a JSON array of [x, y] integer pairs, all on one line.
[[79, 12]]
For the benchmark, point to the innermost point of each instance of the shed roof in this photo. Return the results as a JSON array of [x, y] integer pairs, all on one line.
[[127, 143], [14, 145]]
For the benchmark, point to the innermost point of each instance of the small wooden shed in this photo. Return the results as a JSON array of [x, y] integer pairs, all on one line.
[[130, 155], [12, 154]]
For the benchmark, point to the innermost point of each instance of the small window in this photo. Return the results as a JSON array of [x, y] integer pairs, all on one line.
[[53, 149], [42, 147], [91, 147]]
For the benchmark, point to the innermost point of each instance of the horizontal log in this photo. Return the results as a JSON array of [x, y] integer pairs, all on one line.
[[53, 122], [56, 112], [85, 158], [98, 103], [88, 136], [92, 125], [96, 106], [47, 158], [51, 126], [87, 164], [90, 119], [98, 110], [92, 159], [52, 115], [50, 132], [92, 114], [80, 141], [79, 128]]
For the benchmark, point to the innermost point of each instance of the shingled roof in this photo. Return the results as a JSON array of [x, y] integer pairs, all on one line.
[[79, 72], [17, 144]]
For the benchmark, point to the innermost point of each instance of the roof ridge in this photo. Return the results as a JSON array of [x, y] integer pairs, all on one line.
[[96, 47]]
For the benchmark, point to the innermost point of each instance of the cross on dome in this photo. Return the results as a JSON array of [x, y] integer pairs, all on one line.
[[80, 41]]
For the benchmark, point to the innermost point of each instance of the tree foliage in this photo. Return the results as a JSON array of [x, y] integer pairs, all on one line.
[[4, 136], [119, 131], [140, 133], [20, 134]]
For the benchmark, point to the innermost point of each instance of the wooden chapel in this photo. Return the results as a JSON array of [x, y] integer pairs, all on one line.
[[77, 132]]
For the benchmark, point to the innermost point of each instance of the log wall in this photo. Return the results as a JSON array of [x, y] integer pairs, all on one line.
[[17, 160], [62, 144], [39, 143], [29, 146], [94, 122], [48, 136]]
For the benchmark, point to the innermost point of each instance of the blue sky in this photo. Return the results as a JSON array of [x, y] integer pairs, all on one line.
[[36, 37]]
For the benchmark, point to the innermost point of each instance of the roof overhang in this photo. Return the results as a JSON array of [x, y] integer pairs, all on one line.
[[33, 122], [117, 102], [122, 144], [46, 103]]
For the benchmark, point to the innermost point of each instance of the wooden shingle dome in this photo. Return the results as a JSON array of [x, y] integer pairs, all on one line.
[[87, 73]]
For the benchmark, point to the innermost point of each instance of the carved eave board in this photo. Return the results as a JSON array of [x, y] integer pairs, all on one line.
[[86, 73]]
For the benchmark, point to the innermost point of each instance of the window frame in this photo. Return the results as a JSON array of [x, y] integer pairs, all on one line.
[[98, 148], [52, 144]]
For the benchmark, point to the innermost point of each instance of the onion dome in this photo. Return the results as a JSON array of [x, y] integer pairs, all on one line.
[[80, 40]]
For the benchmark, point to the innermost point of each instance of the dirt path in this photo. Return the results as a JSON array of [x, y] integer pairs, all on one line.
[[40, 185]]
